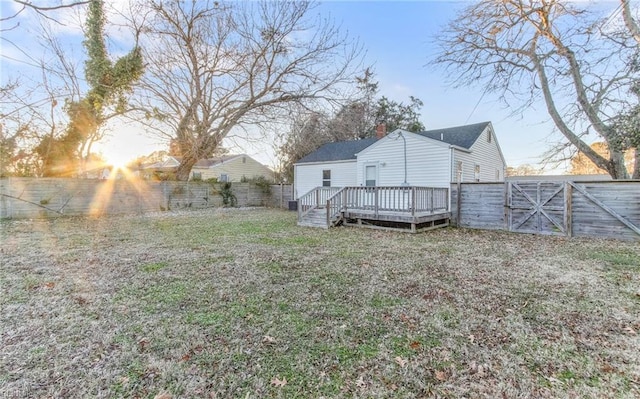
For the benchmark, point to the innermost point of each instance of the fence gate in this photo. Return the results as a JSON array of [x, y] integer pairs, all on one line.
[[538, 207]]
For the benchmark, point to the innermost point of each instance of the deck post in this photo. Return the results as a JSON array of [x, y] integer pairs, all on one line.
[[413, 205], [375, 201], [328, 213], [318, 196], [344, 200], [431, 193]]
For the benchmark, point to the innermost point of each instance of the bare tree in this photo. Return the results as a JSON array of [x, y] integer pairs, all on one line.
[[39, 9], [214, 67], [580, 65], [523, 170]]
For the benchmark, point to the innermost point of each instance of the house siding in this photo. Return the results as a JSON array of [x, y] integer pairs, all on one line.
[[235, 170], [423, 155], [468, 166], [488, 156], [309, 176]]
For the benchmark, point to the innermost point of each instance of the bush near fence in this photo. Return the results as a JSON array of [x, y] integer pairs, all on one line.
[[52, 197]]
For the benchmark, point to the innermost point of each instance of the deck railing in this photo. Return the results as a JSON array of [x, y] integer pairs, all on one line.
[[335, 206], [316, 198], [398, 199]]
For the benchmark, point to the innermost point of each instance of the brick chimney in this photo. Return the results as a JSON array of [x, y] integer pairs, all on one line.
[[381, 130]]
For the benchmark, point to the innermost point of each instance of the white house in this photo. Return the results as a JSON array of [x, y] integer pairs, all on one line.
[[433, 158]]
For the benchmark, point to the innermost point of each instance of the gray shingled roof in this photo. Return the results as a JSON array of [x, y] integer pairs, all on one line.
[[338, 151], [461, 136]]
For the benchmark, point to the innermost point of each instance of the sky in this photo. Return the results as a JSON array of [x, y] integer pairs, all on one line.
[[398, 38]]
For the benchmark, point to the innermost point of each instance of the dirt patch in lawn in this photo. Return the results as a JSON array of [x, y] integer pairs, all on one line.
[[243, 303]]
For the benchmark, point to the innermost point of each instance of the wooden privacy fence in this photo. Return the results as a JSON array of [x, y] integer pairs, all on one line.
[[50, 197], [609, 209]]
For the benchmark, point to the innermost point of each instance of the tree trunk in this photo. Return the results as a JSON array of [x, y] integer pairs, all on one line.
[[184, 169], [618, 169]]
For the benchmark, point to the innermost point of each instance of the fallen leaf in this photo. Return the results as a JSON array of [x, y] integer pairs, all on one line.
[[607, 368], [471, 338], [415, 345], [163, 395], [185, 357], [360, 382], [268, 340], [50, 284], [441, 375], [143, 343], [278, 383], [80, 300], [630, 331], [400, 361]]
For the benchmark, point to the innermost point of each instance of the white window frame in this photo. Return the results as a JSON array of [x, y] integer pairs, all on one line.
[[459, 171], [376, 170], [326, 182]]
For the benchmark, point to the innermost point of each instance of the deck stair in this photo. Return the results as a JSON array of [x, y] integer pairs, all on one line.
[[314, 218]]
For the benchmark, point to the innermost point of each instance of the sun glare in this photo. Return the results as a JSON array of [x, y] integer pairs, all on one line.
[[118, 176], [116, 162]]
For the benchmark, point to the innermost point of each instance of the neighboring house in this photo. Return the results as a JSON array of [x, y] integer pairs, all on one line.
[[230, 168], [158, 170], [433, 158]]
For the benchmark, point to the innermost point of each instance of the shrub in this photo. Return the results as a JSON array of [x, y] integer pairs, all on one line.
[[228, 198]]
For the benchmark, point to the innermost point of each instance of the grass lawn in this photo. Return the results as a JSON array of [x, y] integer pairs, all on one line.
[[245, 304]]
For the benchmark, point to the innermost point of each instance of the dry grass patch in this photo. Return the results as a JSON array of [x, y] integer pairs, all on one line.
[[242, 303]]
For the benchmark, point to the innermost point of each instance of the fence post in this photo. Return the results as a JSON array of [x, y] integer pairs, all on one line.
[[506, 206], [568, 217], [458, 203]]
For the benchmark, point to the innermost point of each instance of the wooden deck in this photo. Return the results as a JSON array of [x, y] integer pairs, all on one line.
[[407, 208]]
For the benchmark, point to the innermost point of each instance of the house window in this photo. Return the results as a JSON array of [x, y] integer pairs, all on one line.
[[476, 173], [197, 176], [370, 175], [489, 136], [326, 178], [459, 171], [224, 178]]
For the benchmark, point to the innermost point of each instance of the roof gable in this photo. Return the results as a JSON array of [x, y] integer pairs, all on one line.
[[338, 151], [211, 162], [461, 136]]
